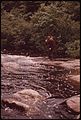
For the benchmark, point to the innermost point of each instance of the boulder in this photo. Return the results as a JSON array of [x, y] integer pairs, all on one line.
[[74, 103], [26, 100]]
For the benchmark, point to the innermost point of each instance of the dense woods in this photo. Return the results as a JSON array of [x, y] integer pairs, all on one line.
[[26, 24]]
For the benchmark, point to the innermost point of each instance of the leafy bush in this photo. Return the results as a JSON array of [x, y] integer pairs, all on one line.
[[73, 49], [24, 29]]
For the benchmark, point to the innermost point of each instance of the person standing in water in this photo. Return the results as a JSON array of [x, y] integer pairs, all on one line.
[[51, 45]]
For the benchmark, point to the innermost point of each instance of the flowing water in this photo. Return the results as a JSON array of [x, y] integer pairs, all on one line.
[[20, 72]]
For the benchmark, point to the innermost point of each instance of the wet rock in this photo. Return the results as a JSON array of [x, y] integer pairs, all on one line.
[[25, 100], [26, 93], [75, 71], [74, 103], [75, 78], [15, 104], [78, 116], [8, 109]]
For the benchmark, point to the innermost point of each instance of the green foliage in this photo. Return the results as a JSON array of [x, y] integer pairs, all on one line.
[[50, 20], [26, 24], [15, 30], [73, 49]]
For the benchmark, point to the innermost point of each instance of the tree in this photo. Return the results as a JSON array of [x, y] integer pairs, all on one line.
[[26, 24]]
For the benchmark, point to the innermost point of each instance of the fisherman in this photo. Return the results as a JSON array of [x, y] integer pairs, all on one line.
[[51, 44]]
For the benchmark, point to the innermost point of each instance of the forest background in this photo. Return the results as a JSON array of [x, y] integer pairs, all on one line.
[[26, 24]]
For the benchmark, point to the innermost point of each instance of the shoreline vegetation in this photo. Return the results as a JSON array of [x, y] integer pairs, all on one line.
[[25, 26]]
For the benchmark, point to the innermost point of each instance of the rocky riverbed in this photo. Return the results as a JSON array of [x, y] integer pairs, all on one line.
[[39, 88]]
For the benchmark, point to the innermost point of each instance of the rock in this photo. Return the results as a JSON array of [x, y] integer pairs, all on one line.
[[25, 100], [74, 103], [15, 104], [78, 116], [8, 109], [75, 71], [28, 94], [75, 78]]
